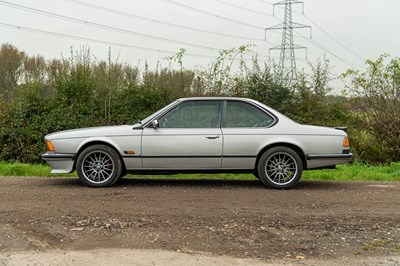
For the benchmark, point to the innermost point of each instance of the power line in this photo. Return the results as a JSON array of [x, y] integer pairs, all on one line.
[[315, 43], [68, 36], [102, 26], [323, 31], [124, 31], [243, 8], [201, 11], [74, 37], [264, 2], [118, 12], [254, 26], [333, 38], [320, 46]]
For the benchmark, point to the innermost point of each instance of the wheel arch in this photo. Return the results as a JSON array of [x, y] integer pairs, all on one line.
[[92, 142], [292, 146]]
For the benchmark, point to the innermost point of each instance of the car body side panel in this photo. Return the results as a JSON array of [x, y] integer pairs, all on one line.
[[168, 148], [242, 146], [239, 162], [133, 162]]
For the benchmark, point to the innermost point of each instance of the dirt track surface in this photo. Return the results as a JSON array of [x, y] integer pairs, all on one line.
[[235, 219]]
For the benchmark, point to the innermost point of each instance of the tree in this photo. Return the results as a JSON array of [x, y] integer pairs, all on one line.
[[375, 95], [11, 68], [312, 103], [218, 79], [262, 84]]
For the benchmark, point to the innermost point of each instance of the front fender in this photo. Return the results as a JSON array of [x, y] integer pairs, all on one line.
[[104, 140]]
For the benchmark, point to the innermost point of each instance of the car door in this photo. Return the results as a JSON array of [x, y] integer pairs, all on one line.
[[245, 129], [187, 137]]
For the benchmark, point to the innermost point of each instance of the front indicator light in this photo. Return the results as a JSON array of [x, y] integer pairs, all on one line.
[[346, 142], [50, 146]]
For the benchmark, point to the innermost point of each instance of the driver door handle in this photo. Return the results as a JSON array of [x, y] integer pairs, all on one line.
[[213, 137]]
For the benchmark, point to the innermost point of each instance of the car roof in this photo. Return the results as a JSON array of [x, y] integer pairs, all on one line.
[[214, 98]]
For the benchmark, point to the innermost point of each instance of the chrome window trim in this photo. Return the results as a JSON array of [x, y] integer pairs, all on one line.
[[223, 112], [273, 116]]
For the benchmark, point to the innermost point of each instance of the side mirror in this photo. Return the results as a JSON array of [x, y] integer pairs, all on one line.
[[154, 124]]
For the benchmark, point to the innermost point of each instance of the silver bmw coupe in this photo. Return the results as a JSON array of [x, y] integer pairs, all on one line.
[[203, 135]]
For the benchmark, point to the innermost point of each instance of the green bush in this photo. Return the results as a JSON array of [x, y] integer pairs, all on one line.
[[375, 99], [22, 125]]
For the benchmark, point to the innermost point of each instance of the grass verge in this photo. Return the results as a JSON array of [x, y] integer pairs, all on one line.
[[354, 172]]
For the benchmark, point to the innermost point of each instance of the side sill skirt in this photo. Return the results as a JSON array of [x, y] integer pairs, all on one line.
[[58, 156], [196, 156]]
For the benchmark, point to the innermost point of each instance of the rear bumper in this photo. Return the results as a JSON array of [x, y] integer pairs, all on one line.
[[60, 163], [328, 156], [326, 160]]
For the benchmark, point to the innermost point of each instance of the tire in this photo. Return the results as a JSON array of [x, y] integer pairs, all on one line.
[[124, 172], [99, 166], [280, 167]]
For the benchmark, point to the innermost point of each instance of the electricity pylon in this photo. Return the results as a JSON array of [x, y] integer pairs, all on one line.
[[287, 62]]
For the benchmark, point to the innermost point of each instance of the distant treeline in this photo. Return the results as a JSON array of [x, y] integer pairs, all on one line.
[[39, 96]]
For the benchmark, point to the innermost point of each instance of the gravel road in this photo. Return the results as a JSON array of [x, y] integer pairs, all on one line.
[[227, 222]]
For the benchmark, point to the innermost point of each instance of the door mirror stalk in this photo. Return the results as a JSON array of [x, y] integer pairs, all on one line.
[[154, 124]]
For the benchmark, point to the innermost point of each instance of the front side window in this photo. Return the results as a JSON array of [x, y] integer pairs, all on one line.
[[240, 114], [193, 114]]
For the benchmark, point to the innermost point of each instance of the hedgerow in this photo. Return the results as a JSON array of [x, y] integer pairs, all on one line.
[[39, 96]]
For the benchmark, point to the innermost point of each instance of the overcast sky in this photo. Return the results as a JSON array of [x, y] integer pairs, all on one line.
[[361, 29]]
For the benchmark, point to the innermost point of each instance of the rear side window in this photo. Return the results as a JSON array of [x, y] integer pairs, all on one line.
[[240, 114]]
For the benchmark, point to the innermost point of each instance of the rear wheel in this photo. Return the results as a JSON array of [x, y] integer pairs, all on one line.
[[99, 166], [280, 167]]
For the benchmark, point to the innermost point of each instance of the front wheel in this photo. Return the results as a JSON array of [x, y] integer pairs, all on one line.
[[99, 166], [280, 167]]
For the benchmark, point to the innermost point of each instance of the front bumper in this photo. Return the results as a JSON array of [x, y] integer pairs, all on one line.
[[60, 163], [326, 160]]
